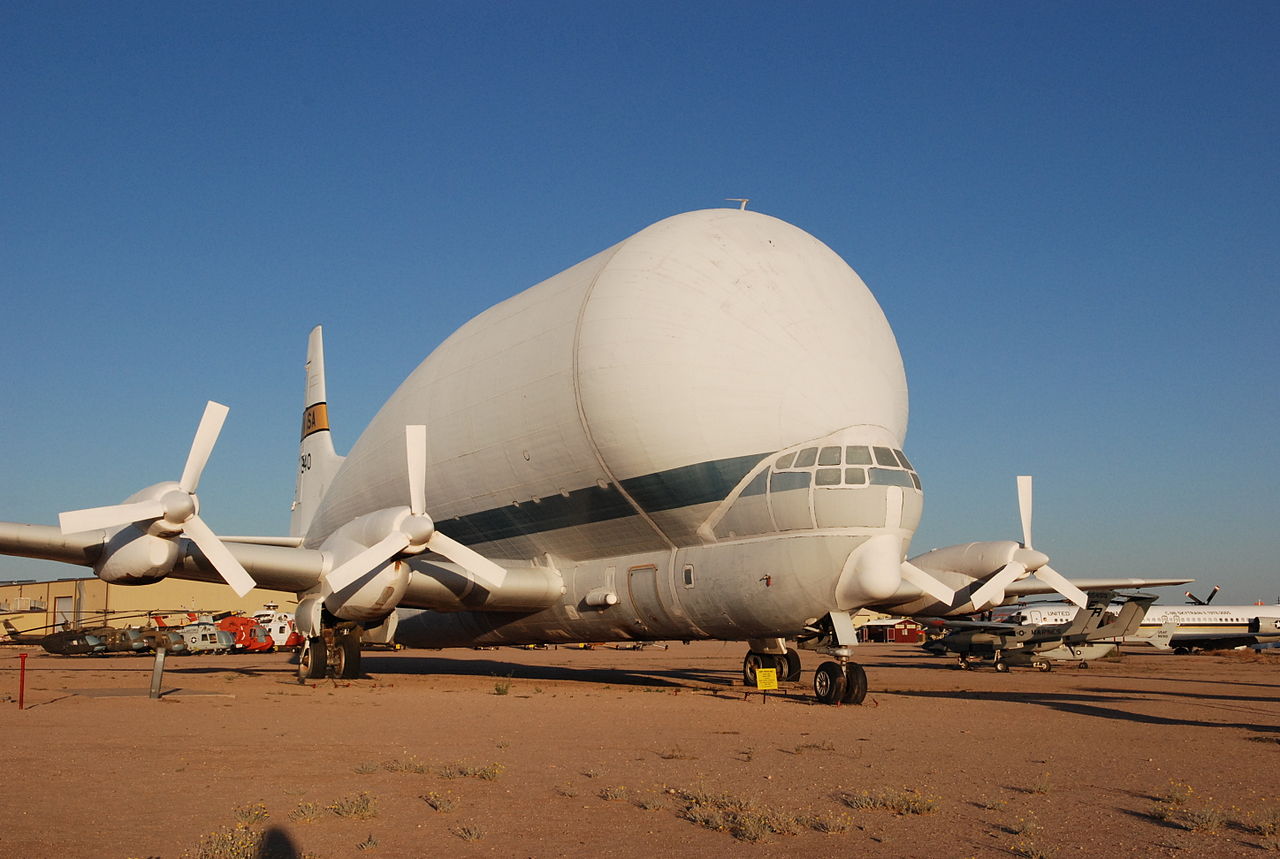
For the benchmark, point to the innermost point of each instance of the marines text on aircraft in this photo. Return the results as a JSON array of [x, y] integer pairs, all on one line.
[[1023, 642], [696, 433]]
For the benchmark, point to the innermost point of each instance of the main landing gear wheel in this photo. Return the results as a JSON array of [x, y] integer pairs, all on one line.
[[1002, 666], [346, 651], [830, 683], [311, 659], [855, 684], [1044, 666], [789, 666], [753, 662]]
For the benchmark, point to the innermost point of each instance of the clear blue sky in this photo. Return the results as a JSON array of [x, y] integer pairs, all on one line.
[[1067, 210]]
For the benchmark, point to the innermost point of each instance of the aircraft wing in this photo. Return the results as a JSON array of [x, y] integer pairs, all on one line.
[[273, 567], [1028, 587]]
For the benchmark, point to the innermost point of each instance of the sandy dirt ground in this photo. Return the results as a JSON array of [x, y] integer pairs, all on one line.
[[653, 752]]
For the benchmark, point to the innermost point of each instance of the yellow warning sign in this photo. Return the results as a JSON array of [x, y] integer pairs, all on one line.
[[766, 678]]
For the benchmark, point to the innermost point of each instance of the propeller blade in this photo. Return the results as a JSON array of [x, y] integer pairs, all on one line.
[[1024, 507], [992, 590], [202, 445], [486, 571], [415, 449], [99, 518], [927, 583], [364, 562], [232, 572], [1061, 584]]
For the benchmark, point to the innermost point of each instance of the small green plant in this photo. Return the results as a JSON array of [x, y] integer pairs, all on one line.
[[1205, 818], [591, 773], [648, 802], [1177, 793], [229, 842], [307, 812], [368, 844], [740, 817], [360, 806], [366, 767], [250, 814], [676, 754], [440, 801], [1041, 785], [502, 687], [612, 793], [459, 770], [566, 790], [824, 746], [828, 823], [468, 832], [904, 801], [410, 764], [1264, 821]]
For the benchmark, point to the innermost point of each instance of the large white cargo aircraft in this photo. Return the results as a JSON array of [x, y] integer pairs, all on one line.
[[696, 433]]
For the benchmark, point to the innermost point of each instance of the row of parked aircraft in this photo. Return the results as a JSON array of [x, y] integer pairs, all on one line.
[[694, 434], [188, 633], [1041, 634]]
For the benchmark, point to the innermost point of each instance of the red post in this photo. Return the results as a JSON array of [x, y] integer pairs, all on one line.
[[22, 678]]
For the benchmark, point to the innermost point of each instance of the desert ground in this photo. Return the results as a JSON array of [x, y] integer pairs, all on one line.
[[653, 752]]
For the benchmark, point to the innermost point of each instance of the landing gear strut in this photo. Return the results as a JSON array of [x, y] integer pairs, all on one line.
[[842, 681]]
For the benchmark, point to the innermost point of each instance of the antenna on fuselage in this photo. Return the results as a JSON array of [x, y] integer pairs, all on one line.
[[742, 200]]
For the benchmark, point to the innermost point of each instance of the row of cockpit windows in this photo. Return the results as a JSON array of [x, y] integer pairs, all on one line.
[[878, 466]]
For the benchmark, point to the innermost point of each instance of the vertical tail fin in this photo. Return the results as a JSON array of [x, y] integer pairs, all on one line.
[[317, 461]]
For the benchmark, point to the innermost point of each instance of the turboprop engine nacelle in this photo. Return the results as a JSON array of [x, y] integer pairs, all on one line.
[[977, 560], [133, 556]]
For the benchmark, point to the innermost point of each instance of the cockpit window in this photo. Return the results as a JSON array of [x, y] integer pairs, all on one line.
[[857, 454], [891, 477], [785, 461], [829, 456], [828, 477], [915, 478], [806, 457], [855, 476], [902, 457], [789, 480], [884, 456]]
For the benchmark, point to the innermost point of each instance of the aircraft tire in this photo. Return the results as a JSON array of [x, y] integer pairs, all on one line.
[[347, 649], [311, 659], [753, 661], [1002, 666], [855, 684], [789, 668], [1044, 666], [829, 683]]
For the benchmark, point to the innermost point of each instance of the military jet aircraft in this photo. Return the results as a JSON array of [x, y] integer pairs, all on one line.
[[1029, 643], [694, 434]]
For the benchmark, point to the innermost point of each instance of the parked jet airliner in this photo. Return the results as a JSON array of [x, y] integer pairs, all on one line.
[[1195, 627], [696, 433]]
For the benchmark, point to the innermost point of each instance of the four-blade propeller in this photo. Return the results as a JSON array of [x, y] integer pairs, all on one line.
[[174, 507], [413, 532], [1026, 560]]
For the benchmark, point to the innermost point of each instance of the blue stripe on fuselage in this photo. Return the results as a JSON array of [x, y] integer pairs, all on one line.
[[664, 490]]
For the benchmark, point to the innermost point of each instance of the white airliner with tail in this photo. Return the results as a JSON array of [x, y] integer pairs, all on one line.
[[696, 433]]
